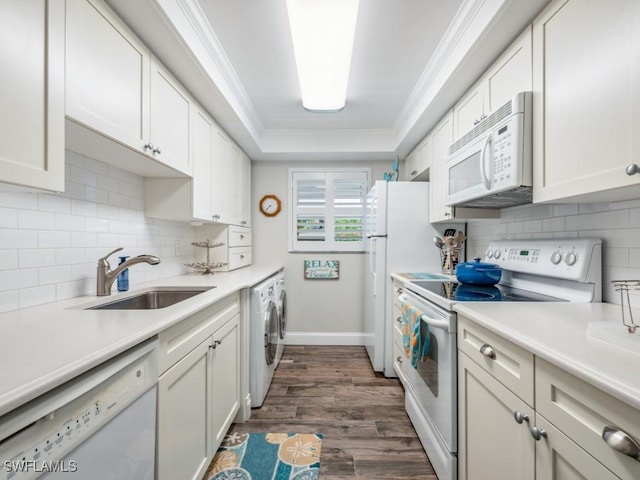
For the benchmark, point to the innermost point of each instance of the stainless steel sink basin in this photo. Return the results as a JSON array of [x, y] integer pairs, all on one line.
[[151, 300]]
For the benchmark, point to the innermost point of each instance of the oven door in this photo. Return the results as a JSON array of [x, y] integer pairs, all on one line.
[[434, 381]]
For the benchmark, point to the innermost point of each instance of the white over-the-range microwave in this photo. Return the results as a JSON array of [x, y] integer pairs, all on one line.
[[491, 166]]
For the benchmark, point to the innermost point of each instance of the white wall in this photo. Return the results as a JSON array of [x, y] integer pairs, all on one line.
[[321, 311], [50, 244], [617, 224]]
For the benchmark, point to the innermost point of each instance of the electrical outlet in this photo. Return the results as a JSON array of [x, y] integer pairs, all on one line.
[[177, 248]]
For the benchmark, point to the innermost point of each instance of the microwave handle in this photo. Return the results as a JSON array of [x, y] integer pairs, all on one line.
[[483, 161]]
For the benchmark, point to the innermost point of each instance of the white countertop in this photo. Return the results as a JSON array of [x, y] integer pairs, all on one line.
[[44, 346], [564, 334]]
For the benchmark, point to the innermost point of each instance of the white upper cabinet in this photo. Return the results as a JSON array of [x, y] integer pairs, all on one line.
[[244, 190], [509, 74], [441, 139], [115, 88], [170, 119], [203, 132], [587, 84], [222, 188], [32, 99], [107, 74]]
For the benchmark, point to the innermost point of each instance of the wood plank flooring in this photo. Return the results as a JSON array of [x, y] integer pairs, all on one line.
[[334, 391]]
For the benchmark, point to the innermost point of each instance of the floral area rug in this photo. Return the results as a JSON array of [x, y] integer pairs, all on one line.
[[267, 456]]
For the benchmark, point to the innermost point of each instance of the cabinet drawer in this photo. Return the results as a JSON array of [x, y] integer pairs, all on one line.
[[239, 236], [581, 412], [511, 365], [239, 257], [177, 341]]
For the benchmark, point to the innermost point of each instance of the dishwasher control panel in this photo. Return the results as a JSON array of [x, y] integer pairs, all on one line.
[[47, 436]]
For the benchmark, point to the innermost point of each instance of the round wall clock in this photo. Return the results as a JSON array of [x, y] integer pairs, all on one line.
[[270, 205]]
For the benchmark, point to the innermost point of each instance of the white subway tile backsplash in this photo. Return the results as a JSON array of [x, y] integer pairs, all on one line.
[[515, 228], [33, 220], [53, 203], [564, 209], [8, 259], [53, 275], [555, 224], [532, 226], [53, 239], [8, 218], [36, 257], [579, 222], [592, 207], [611, 219], [50, 243], [17, 279], [15, 238]]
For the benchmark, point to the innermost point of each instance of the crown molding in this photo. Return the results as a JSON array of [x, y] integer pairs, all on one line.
[[468, 25], [191, 23]]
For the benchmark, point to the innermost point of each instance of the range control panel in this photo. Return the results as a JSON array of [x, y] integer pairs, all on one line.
[[571, 259]]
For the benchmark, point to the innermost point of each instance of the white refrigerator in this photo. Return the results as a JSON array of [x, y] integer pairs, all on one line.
[[398, 238]]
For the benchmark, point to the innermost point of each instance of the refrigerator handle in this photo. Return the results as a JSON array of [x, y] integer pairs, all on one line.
[[372, 254]]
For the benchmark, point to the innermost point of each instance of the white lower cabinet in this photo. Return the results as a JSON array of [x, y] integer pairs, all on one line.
[[502, 435], [199, 391], [184, 417], [492, 444]]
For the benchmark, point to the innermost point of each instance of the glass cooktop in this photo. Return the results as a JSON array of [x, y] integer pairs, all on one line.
[[470, 293]]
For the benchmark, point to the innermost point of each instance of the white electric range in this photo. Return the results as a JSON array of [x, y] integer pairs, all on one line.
[[567, 270]]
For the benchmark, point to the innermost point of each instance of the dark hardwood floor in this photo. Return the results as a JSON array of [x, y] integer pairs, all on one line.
[[334, 391]]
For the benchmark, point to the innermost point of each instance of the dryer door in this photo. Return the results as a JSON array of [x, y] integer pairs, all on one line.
[[271, 333]]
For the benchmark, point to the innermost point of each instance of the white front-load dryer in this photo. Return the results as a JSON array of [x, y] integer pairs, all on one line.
[[264, 340], [281, 296]]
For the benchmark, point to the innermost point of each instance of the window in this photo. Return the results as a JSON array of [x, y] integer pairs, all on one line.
[[327, 209]]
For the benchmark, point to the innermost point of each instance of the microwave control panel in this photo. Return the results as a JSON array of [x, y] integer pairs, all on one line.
[[504, 153]]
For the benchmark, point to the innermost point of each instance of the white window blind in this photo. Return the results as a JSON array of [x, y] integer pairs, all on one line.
[[327, 209]]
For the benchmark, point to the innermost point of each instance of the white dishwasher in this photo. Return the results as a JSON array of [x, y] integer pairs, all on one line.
[[100, 425]]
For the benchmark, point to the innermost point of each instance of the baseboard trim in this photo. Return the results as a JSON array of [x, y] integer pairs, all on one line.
[[324, 338]]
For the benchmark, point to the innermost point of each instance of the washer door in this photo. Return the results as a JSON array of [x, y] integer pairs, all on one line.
[[283, 314], [271, 333]]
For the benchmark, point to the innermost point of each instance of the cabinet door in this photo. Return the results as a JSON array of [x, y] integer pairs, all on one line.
[[586, 74], [410, 167], [170, 120], [203, 132], [510, 74], [469, 110], [492, 445], [225, 375], [244, 190], [184, 418], [559, 458], [32, 100], [423, 158], [441, 139], [107, 74], [221, 177]]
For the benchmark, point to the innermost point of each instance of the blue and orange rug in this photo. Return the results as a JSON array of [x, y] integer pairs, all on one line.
[[267, 456]]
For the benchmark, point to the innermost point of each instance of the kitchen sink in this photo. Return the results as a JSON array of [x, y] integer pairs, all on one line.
[[151, 299]]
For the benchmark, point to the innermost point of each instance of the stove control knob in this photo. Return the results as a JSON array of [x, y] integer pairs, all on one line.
[[570, 259], [489, 253], [496, 254], [556, 257]]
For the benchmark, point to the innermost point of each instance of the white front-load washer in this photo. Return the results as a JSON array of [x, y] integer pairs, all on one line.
[[281, 296], [264, 340]]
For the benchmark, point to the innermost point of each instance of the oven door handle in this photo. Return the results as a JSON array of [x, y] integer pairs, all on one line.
[[433, 322]]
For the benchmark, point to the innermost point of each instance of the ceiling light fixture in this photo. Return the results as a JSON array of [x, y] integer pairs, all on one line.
[[322, 33]]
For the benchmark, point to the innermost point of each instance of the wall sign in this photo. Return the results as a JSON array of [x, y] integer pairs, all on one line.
[[321, 269]]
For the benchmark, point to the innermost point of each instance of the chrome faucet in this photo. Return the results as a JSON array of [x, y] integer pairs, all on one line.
[[106, 276]]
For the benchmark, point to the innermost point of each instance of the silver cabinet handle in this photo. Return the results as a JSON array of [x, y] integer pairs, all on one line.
[[148, 146], [538, 433], [157, 151], [399, 319], [241, 237], [520, 417], [447, 214], [241, 256], [621, 441], [243, 222], [414, 172], [488, 351], [399, 359], [215, 344], [632, 169]]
